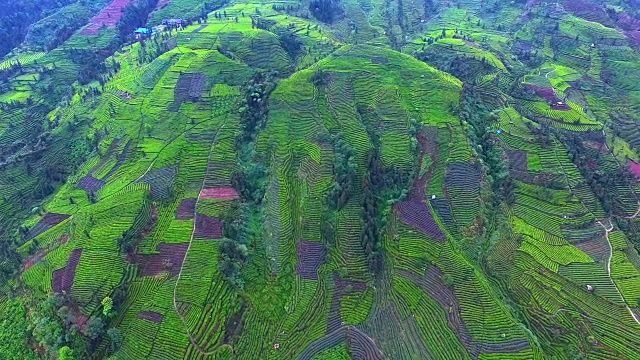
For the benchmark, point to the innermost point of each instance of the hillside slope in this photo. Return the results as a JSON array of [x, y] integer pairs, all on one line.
[[326, 180]]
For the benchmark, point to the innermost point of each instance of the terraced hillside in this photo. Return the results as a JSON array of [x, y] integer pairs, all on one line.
[[325, 180]]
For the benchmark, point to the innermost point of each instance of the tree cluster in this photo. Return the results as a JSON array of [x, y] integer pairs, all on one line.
[[135, 15], [290, 42], [603, 183], [345, 174], [54, 327], [327, 11], [16, 17], [249, 181], [254, 109], [52, 31], [478, 121], [373, 185], [91, 64]]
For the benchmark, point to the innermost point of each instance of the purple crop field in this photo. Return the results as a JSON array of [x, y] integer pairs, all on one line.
[[518, 159], [309, 256], [417, 215], [108, 17], [207, 227], [151, 316], [361, 346], [47, 222], [62, 279], [463, 176], [186, 209], [168, 260], [544, 92], [414, 210], [341, 288], [90, 184]]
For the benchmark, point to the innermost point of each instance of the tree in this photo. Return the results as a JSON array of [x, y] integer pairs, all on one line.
[[95, 327], [66, 353], [115, 338], [107, 306]]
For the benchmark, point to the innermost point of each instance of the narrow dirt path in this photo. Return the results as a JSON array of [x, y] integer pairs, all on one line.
[[607, 230], [634, 216], [192, 339]]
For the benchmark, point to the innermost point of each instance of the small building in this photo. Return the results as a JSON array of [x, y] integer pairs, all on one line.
[[143, 33], [174, 23]]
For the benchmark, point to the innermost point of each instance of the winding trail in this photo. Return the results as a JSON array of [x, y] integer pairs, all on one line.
[[192, 339], [607, 230], [634, 216]]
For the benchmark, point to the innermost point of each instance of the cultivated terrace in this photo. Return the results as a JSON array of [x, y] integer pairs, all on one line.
[[319, 179]]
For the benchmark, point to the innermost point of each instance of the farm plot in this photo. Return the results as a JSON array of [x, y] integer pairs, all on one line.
[[309, 257], [43, 251], [47, 222], [361, 346], [462, 182], [189, 87], [418, 216], [518, 159], [90, 184], [207, 227], [107, 18], [186, 209], [342, 288], [161, 181], [63, 278], [219, 194], [169, 259], [432, 284], [415, 211], [151, 316], [393, 331]]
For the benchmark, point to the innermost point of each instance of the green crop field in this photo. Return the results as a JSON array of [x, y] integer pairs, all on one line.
[[322, 179]]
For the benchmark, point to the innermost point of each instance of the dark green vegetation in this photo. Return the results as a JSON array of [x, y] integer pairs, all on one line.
[[324, 179]]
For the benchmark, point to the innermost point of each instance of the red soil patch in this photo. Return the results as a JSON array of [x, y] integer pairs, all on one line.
[[62, 279], [108, 17], [634, 167], [549, 95], [35, 258], [169, 259], [219, 194], [544, 92]]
